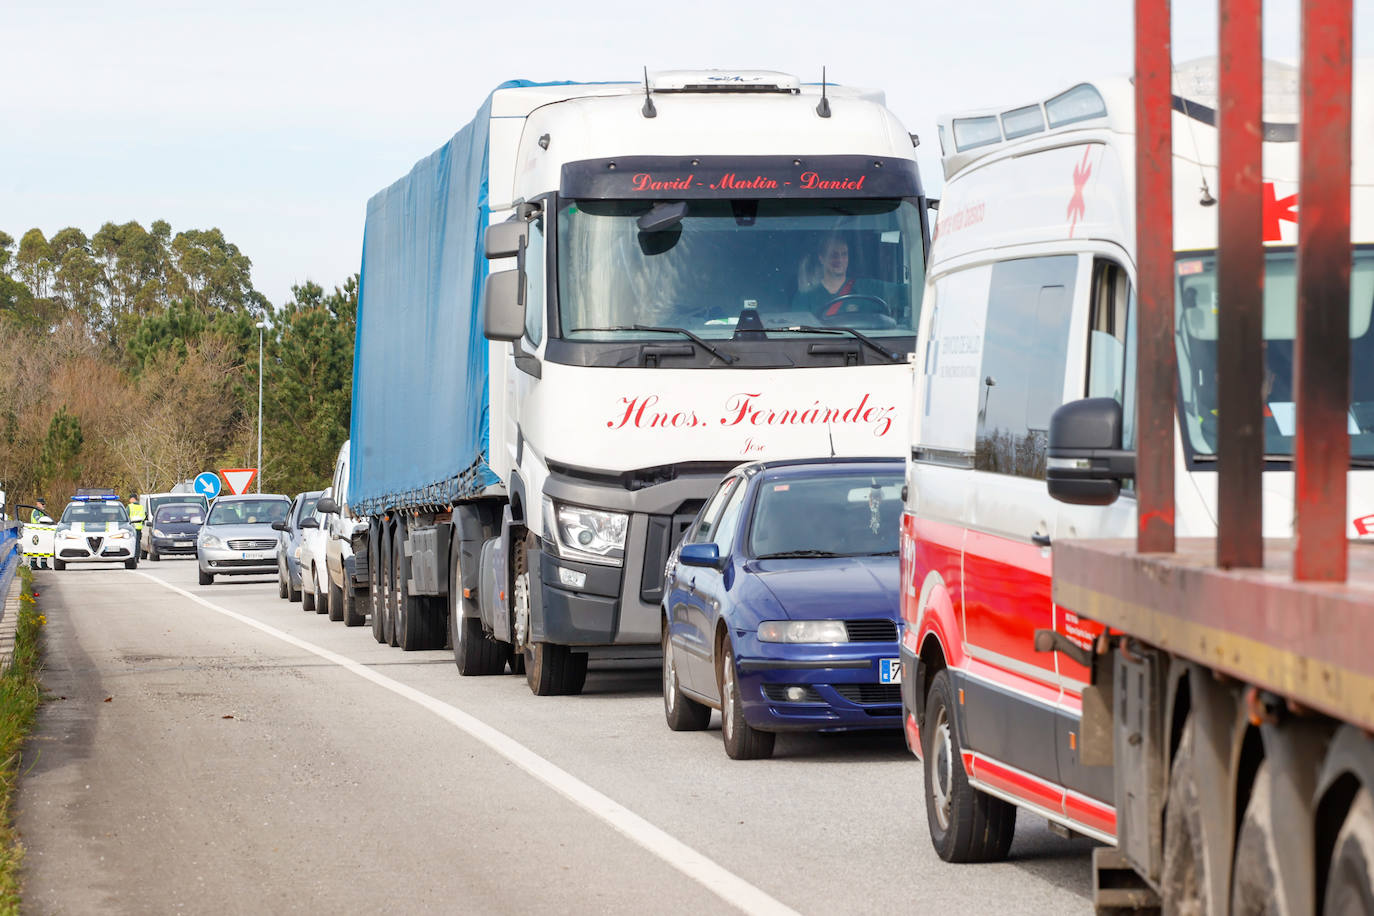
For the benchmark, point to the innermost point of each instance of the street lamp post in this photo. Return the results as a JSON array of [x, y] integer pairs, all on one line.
[[262, 326]]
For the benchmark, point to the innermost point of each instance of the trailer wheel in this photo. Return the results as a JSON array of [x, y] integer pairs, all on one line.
[[376, 575], [1350, 882], [1183, 883], [1256, 873], [336, 600], [683, 713], [381, 607], [742, 741], [414, 625], [474, 652], [966, 825]]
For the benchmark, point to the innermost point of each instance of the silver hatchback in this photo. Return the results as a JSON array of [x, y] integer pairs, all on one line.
[[237, 538]]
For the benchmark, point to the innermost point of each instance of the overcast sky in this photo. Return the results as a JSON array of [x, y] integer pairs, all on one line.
[[276, 122]]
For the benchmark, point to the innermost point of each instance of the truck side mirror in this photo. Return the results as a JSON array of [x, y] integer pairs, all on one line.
[[326, 504], [505, 240], [1085, 461], [503, 306]]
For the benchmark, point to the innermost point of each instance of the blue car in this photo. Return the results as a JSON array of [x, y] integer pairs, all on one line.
[[781, 604]]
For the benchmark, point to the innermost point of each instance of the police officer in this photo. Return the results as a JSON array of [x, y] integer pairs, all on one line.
[[136, 513], [40, 511]]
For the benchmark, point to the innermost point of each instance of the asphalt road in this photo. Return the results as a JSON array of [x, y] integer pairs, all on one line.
[[216, 750]]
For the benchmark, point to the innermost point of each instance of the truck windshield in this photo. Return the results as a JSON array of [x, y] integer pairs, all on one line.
[[1196, 322], [792, 263]]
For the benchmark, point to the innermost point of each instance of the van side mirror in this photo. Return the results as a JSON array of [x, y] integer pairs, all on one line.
[[505, 240], [327, 505], [503, 306], [310, 523], [1085, 461]]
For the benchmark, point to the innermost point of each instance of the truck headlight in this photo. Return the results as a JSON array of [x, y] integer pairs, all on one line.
[[590, 535], [824, 631]]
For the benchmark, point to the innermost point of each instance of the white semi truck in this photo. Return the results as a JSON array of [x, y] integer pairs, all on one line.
[[586, 307]]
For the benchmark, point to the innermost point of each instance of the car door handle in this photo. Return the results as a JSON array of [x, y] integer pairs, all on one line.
[[1040, 540]]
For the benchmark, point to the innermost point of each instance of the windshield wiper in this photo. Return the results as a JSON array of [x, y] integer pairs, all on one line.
[[714, 351], [789, 554], [841, 329]]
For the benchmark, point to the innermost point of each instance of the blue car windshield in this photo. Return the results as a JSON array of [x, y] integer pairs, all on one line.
[[828, 515]]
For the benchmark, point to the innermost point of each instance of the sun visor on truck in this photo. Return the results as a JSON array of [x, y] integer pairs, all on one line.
[[676, 178]]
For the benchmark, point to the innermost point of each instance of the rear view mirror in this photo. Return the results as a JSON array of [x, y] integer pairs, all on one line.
[[700, 555], [662, 216], [1085, 462], [310, 523], [503, 306], [504, 240], [327, 505]]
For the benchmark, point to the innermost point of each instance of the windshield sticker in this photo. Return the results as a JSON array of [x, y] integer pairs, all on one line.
[[1188, 268], [781, 487]]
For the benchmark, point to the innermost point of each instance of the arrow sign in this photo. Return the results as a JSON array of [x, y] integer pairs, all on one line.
[[238, 479], [207, 484]]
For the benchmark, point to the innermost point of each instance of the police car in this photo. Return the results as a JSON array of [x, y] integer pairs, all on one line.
[[95, 528]]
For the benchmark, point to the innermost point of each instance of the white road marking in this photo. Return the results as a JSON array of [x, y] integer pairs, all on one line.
[[720, 881]]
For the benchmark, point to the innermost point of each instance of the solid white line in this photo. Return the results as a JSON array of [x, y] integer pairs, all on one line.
[[720, 881]]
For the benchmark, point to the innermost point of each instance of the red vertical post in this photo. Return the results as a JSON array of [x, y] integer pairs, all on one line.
[[1240, 286], [1156, 373], [1322, 366]]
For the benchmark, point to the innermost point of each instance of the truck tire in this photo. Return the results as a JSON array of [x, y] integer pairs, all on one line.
[[742, 741], [966, 825], [336, 600], [550, 670], [414, 624], [682, 713], [376, 595], [474, 652], [1183, 882], [353, 613], [1256, 872], [1350, 881]]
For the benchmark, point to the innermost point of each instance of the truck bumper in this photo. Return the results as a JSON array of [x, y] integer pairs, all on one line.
[[616, 605]]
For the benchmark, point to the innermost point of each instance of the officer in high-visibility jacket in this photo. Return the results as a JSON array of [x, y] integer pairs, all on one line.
[[40, 511], [136, 513]]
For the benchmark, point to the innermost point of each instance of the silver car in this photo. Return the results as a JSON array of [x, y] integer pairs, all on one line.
[[237, 538]]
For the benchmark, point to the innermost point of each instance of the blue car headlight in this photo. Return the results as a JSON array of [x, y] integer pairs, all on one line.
[[818, 631]]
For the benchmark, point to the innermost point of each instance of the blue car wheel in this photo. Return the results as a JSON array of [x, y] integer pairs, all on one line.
[[741, 741], [683, 714]]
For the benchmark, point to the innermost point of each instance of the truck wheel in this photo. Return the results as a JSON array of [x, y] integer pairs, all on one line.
[[414, 623], [550, 670], [307, 596], [474, 652], [207, 578], [1255, 875], [1350, 882], [353, 614], [1183, 882], [283, 587], [683, 714], [336, 600], [376, 595], [742, 741], [966, 825]]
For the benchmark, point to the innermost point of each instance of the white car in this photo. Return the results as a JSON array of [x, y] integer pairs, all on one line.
[[95, 529], [347, 577], [310, 560]]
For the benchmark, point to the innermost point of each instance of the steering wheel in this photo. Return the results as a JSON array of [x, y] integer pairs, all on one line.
[[872, 308]]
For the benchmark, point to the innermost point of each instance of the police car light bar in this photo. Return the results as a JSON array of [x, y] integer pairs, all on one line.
[[95, 493]]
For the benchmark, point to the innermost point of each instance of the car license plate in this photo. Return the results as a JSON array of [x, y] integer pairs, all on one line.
[[183, 543], [889, 670]]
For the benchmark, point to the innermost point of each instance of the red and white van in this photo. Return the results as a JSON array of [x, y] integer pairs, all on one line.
[[1029, 305]]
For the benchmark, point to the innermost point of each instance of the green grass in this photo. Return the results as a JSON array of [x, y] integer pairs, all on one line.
[[20, 694]]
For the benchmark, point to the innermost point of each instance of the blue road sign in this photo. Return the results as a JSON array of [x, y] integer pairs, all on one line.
[[207, 485]]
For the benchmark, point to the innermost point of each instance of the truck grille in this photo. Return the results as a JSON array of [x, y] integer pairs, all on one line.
[[252, 544], [871, 630]]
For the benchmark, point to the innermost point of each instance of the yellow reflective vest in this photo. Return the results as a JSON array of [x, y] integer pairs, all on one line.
[[136, 515]]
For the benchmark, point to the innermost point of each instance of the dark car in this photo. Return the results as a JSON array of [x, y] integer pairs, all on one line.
[[781, 604], [289, 538], [173, 530]]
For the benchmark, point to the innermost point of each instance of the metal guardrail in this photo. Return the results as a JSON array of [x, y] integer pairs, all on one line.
[[10, 553]]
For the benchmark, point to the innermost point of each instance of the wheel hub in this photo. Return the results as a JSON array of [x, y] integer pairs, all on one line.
[[669, 675], [942, 769], [727, 700], [522, 610]]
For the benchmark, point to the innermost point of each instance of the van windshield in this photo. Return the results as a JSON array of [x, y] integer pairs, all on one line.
[[793, 263], [1196, 322]]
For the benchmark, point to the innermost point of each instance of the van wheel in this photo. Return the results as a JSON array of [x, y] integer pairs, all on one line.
[[1350, 882], [742, 741], [474, 652], [207, 578], [683, 714], [153, 555], [966, 825], [336, 600]]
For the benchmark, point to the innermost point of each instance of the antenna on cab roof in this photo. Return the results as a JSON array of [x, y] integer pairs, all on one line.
[[649, 111], [823, 106]]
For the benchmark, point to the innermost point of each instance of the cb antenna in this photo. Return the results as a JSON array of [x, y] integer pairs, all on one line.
[[823, 108], [649, 111]]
